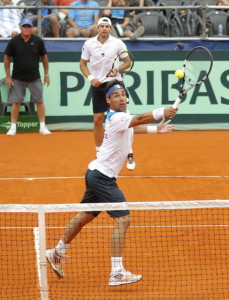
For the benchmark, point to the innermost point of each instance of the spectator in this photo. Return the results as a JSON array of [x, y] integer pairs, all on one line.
[[63, 12], [83, 22], [121, 21], [223, 2], [26, 49], [49, 17], [9, 20], [135, 3]]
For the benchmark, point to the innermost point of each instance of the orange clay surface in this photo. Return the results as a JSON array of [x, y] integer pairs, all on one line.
[[183, 165]]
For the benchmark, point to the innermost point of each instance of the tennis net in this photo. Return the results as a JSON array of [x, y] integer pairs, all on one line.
[[180, 248]]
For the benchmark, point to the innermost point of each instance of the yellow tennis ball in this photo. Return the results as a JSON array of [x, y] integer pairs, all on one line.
[[179, 74]]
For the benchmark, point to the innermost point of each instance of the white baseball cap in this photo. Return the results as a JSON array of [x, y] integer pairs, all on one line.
[[104, 20]]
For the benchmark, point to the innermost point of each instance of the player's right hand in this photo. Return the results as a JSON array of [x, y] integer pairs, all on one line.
[[170, 112], [96, 83]]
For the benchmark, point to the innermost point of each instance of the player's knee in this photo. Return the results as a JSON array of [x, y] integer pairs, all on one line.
[[124, 221], [53, 19], [17, 104]]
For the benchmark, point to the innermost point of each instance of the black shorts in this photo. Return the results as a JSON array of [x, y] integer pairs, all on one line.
[[103, 189], [99, 99]]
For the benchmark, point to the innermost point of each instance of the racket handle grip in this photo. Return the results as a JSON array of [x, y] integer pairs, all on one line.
[[103, 78], [177, 102]]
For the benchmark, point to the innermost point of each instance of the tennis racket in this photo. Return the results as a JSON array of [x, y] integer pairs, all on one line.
[[115, 65], [197, 67]]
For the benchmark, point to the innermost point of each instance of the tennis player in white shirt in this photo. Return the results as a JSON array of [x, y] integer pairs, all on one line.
[[101, 186], [100, 51]]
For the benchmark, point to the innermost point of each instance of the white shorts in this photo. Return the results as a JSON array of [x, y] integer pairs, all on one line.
[[6, 32]]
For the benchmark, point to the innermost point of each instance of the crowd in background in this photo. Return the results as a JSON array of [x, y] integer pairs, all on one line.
[[72, 23]]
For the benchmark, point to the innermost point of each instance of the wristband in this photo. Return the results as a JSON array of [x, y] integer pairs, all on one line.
[[46, 75], [158, 113], [90, 77], [151, 129]]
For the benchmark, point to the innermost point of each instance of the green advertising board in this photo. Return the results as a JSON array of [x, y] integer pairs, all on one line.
[[25, 123], [151, 84]]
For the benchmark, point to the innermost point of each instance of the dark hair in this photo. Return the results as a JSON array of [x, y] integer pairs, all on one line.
[[114, 82]]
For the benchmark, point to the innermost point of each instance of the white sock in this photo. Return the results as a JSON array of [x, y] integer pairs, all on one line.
[[13, 125], [42, 125], [97, 149], [116, 264], [62, 247]]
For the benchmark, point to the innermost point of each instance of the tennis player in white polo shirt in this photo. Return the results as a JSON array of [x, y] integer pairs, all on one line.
[[101, 51], [101, 186]]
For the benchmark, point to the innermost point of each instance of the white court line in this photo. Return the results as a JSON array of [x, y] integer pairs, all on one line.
[[37, 249], [134, 176]]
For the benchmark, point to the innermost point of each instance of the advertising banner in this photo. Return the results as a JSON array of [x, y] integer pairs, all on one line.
[[150, 84]]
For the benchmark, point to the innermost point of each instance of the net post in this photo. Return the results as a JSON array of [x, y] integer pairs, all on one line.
[[42, 263]]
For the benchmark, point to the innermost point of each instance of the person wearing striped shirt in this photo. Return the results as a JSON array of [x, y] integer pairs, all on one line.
[[9, 20]]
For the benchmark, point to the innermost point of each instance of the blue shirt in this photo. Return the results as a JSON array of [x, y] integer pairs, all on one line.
[[118, 13], [83, 18]]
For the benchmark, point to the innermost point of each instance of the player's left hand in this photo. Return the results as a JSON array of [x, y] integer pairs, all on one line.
[[164, 127]]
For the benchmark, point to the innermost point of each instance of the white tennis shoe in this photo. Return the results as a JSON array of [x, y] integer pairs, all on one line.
[[130, 164], [123, 277], [139, 32], [45, 131], [55, 260], [11, 131]]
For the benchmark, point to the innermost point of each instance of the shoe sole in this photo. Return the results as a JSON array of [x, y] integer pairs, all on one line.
[[54, 268], [124, 282], [140, 31]]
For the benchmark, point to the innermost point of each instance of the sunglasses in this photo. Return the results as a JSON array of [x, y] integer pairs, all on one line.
[[26, 26]]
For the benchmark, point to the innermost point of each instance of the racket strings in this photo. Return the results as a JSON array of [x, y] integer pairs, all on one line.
[[197, 67]]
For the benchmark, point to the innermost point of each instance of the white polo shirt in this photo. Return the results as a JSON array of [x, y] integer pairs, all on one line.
[[118, 138], [101, 56]]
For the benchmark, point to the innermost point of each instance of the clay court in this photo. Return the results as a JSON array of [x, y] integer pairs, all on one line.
[[184, 165]]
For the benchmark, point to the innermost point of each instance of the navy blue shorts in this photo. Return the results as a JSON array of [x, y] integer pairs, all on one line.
[[103, 189]]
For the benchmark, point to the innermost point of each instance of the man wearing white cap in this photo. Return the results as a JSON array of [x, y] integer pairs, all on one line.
[[101, 51]]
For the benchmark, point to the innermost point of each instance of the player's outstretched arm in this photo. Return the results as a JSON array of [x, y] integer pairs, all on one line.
[[162, 127], [149, 117]]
